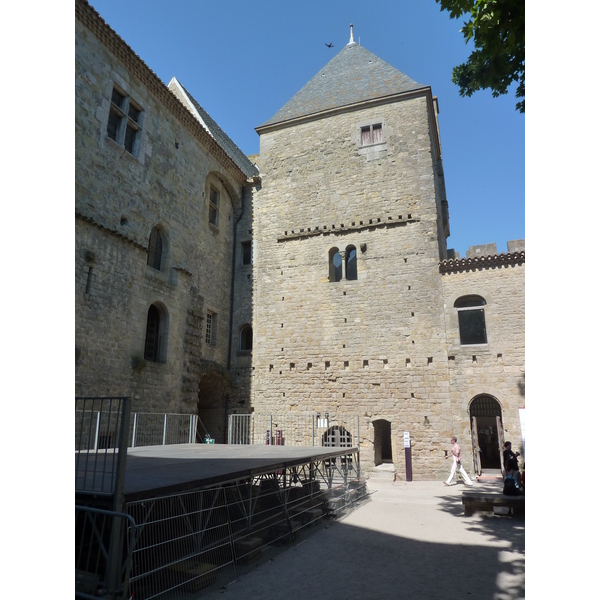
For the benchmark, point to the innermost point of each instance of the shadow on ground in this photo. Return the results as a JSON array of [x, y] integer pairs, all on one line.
[[347, 562]]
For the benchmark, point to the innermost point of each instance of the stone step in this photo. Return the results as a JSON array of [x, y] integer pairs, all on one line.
[[378, 475]]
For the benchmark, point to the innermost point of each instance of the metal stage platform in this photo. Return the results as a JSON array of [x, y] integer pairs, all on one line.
[[153, 471], [168, 522]]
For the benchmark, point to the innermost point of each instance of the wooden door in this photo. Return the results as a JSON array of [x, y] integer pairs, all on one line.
[[500, 431], [476, 449]]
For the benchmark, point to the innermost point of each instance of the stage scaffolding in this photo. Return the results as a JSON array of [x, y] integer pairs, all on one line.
[[195, 539], [208, 528]]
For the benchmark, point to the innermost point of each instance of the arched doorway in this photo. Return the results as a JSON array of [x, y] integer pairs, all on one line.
[[487, 433], [337, 437], [213, 397], [383, 441]]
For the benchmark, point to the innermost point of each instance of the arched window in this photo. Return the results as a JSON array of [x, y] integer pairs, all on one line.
[[351, 266], [471, 320], [155, 347], [246, 339], [335, 265], [155, 249]]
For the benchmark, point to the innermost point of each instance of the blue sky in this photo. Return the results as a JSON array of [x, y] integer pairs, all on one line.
[[244, 60]]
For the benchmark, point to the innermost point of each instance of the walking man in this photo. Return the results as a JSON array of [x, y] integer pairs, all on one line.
[[455, 453]]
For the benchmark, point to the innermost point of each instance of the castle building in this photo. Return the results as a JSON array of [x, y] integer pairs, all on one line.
[[318, 281]]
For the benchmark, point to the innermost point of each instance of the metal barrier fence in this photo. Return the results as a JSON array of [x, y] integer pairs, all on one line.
[[93, 429], [294, 429], [149, 429], [104, 541], [196, 539], [101, 426]]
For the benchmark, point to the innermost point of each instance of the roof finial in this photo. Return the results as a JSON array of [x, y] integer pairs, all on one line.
[[351, 36]]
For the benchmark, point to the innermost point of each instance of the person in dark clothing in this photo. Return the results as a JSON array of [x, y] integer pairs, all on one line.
[[512, 479], [508, 453]]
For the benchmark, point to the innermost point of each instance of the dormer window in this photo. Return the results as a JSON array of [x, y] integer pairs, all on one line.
[[371, 134]]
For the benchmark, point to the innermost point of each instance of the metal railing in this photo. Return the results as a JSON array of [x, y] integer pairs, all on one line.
[[150, 429], [101, 428], [294, 429], [92, 429], [209, 537], [104, 542]]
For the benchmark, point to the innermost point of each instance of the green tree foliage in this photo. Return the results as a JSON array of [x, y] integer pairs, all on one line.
[[497, 28]]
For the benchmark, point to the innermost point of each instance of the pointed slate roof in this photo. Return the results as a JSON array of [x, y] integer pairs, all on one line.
[[240, 159], [353, 75]]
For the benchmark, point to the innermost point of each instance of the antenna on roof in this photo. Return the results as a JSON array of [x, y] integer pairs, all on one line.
[[351, 36]]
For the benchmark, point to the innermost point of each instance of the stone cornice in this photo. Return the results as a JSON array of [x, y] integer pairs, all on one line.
[[144, 249], [342, 109], [459, 265], [90, 18], [356, 225], [88, 219]]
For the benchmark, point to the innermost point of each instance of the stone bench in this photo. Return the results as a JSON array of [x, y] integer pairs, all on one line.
[[474, 501]]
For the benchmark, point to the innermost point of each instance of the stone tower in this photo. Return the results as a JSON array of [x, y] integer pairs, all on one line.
[[350, 226]]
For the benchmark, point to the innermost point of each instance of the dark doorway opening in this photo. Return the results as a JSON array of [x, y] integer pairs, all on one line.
[[213, 396], [383, 441], [487, 434]]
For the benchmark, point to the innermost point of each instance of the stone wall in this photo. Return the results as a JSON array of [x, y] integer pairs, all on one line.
[[374, 346], [497, 368], [385, 346], [120, 197]]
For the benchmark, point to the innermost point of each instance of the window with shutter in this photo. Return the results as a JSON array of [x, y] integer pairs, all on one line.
[[371, 134]]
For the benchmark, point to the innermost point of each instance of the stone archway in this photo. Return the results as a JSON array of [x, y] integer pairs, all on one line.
[[383, 441], [213, 399]]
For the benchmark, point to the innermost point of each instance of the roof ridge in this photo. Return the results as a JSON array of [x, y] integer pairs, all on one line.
[[217, 132]]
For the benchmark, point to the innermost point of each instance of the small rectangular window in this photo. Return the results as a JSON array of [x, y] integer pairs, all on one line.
[[366, 136], [134, 113], [211, 328], [373, 134], [213, 207], [246, 253], [129, 139], [114, 122], [117, 98], [377, 134]]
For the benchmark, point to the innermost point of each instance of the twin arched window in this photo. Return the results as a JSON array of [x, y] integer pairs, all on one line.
[[337, 264]]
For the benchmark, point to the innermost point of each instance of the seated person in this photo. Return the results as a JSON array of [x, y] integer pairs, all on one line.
[[512, 479]]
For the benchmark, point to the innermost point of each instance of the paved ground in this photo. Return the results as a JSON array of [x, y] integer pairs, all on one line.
[[410, 540]]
